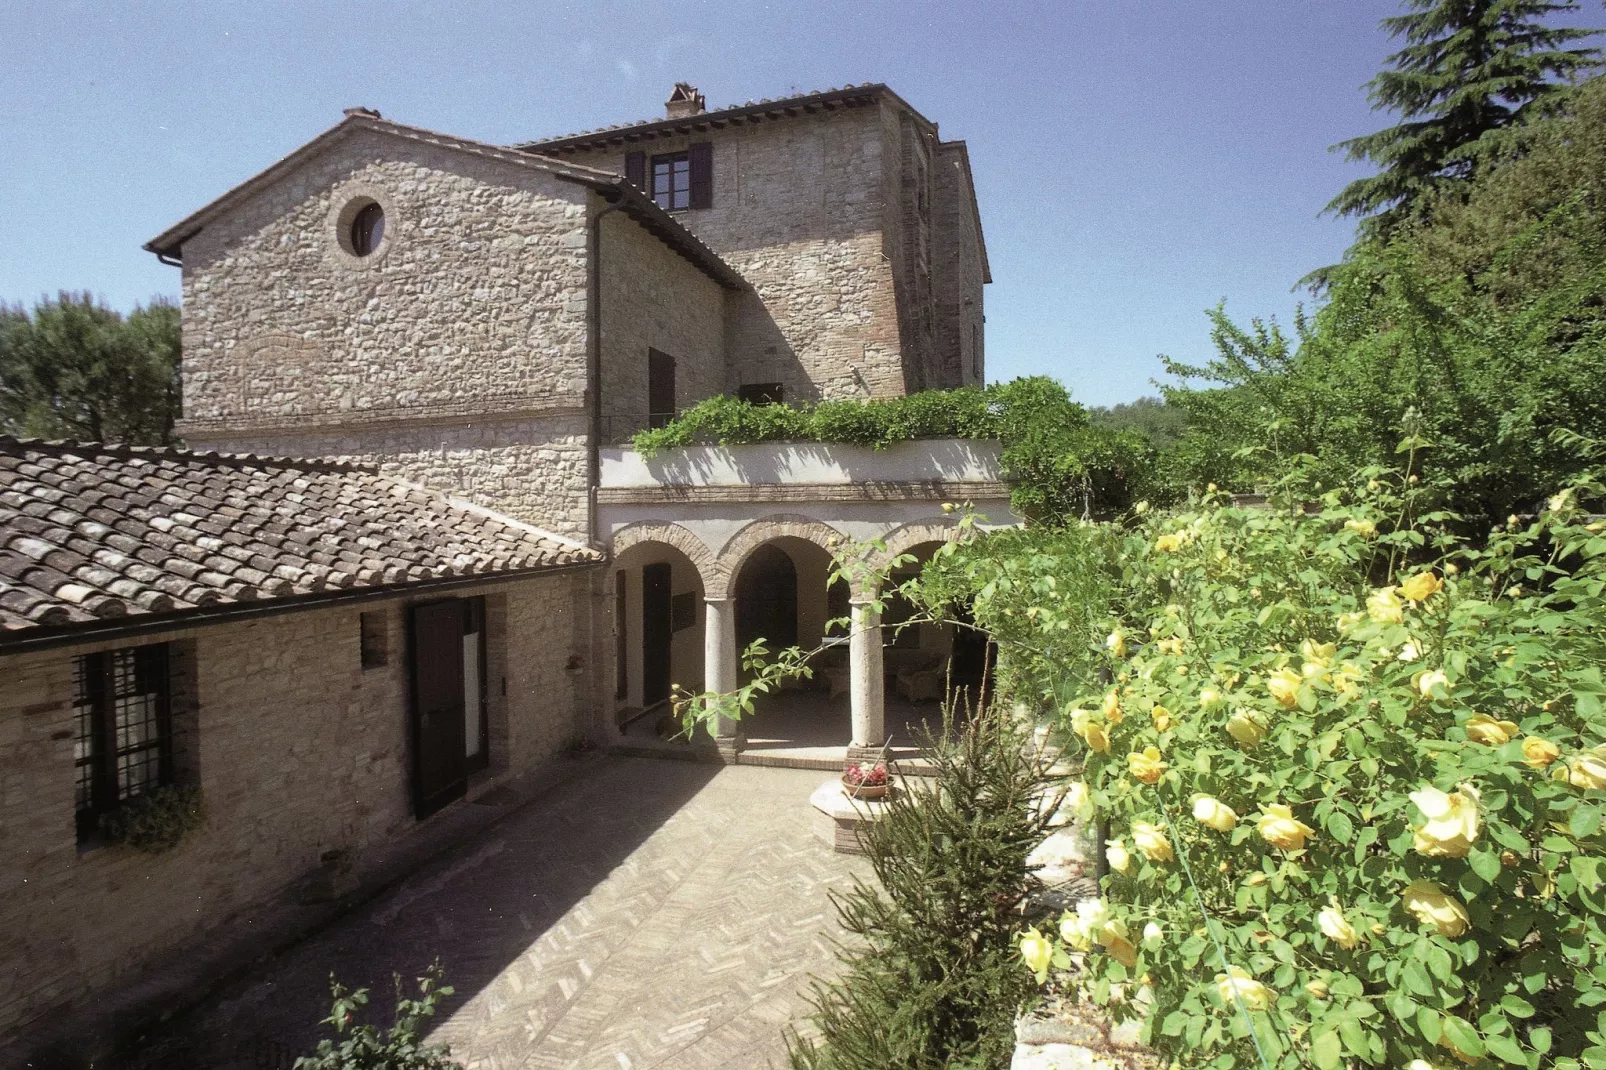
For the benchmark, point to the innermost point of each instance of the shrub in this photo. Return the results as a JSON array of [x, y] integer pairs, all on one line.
[[933, 981], [364, 1047], [1059, 463], [1355, 775], [156, 821]]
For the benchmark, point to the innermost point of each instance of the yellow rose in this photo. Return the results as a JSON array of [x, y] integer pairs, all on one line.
[[1347, 621], [1279, 827], [1319, 654], [1153, 935], [1538, 752], [1587, 769], [1485, 729], [1347, 677], [1146, 765], [1336, 927], [1384, 606], [1036, 952], [1213, 813], [1208, 696], [1162, 718], [1421, 587], [1427, 681], [1284, 687], [1246, 728], [1098, 737], [1237, 982], [1364, 528], [1116, 642], [1112, 707], [1152, 841], [1431, 905], [1072, 932], [1172, 645], [1452, 821], [1116, 941], [1116, 854], [1317, 988]]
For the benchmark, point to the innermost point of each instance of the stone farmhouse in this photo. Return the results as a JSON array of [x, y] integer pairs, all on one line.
[[472, 569]]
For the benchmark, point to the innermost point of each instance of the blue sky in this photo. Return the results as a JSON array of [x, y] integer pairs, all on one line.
[[1136, 160]]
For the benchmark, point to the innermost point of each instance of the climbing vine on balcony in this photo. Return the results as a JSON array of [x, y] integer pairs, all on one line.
[[1060, 465]]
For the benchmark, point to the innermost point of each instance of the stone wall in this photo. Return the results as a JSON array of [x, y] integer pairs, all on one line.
[[652, 297], [472, 308], [797, 210], [532, 467], [958, 272], [298, 751]]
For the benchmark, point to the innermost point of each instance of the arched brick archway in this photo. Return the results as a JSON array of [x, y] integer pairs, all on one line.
[[729, 562], [695, 549], [900, 541]]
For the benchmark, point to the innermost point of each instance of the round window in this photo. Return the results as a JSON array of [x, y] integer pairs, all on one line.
[[367, 229]]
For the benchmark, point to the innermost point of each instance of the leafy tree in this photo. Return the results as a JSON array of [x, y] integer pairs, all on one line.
[[1485, 317], [1159, 422], [933, 983], [77, 369], [1470, 73]]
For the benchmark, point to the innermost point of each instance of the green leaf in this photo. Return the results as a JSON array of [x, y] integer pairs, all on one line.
[[1326, 1050], [1340, 826], [1506, 1049], [1516, 1006], [1485, 864], [1461, 1034]]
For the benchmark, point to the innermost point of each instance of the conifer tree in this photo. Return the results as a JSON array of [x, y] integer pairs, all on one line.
[[933, 980], [1472, 72]]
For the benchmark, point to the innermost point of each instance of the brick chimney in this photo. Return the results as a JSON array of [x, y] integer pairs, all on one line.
[[684, 101]]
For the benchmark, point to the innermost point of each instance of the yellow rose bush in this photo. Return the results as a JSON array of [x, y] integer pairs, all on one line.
[[1376, 748]]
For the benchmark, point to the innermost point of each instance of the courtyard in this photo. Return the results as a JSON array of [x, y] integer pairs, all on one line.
[[645, 913]]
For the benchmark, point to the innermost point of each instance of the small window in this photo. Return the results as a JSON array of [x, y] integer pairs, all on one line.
[[367, 229], [760, 393], [123, 739], [375, 642], [671, 180]]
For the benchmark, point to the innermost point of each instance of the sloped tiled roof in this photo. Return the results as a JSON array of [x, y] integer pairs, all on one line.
[[751, 112], [91, 533]]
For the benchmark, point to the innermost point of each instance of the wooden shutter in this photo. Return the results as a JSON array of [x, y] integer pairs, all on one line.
[[701, 159], [636, 169]]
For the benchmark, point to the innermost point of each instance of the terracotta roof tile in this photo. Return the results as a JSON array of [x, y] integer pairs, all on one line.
[[91, 532]]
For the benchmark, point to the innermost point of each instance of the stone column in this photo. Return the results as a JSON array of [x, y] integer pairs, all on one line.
[[720, 667], [867, 687]]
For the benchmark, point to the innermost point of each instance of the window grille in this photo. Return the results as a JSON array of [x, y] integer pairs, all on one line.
[[123, 743]]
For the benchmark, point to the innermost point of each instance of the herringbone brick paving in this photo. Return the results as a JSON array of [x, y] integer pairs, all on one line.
[[653, 914]]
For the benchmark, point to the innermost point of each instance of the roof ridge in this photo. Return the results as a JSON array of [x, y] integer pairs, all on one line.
[[59, 446], [714, 113]]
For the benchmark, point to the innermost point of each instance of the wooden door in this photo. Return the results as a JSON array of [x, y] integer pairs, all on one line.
[[657, 630], [440, 771]]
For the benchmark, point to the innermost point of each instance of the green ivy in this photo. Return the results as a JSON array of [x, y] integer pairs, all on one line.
[[1060, 464], [156, 821]]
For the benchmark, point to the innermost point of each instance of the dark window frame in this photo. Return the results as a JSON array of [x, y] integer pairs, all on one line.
[[672, 197], [120, 695], [475, 623], [368, 229]]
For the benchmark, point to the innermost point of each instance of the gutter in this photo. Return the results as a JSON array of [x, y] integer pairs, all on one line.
[[594, 363], [47, 637]]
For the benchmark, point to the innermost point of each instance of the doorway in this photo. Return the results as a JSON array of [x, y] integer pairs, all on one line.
[[447, 723], [766, 600]]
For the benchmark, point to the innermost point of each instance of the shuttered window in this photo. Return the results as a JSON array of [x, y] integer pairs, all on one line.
[[680, 180]]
